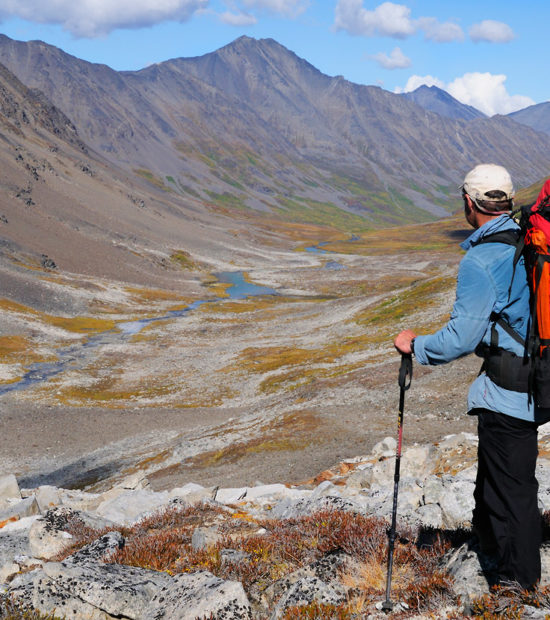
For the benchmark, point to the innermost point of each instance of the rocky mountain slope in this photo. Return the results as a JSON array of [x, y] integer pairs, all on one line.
[[535, 116], [254, 125], [439, 101]]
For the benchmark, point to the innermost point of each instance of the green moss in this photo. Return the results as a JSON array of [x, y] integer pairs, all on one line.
[[183, 260], [151, 178]]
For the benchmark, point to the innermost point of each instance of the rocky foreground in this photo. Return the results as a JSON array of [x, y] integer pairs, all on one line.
[[315, 550]]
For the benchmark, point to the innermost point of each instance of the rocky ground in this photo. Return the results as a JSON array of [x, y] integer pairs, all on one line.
[[263, 551], [236, 391]]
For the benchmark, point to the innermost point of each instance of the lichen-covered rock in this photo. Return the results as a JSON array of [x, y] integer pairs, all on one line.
[[457, 503], [199, 595], [472, 571], [429, 515], [120, 591], [97, 551], [289, 509], [327, 569], [308, 590]]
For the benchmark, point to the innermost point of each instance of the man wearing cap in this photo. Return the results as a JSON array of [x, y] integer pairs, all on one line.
[[490, 298]]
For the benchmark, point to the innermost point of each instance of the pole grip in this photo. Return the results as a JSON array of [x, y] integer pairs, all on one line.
[[405, 371]]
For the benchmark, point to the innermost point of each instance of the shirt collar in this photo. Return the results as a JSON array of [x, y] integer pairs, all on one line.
[[502, 222]]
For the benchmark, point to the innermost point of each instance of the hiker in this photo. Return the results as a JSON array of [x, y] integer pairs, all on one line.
[[491, 297]]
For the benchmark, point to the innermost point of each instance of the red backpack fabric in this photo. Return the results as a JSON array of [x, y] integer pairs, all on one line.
[[535, 223]]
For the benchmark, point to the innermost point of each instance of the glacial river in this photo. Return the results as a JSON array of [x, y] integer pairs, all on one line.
[[73, 356]]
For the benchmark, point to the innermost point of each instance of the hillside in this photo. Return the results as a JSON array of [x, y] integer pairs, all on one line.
[[253, 125], [536, 116], [439, 101]]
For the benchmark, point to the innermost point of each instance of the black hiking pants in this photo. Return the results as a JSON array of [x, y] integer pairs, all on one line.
[[506, 514]]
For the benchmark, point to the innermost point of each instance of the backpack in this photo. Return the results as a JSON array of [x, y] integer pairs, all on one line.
[[530, 373]]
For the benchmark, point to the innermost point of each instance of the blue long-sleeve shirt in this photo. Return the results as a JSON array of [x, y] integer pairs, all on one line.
[[483, 284]]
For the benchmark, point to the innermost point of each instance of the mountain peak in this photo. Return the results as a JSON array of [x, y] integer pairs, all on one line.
[[437, 100]]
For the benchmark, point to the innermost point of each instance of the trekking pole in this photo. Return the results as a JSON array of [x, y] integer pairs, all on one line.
[[405, 378]]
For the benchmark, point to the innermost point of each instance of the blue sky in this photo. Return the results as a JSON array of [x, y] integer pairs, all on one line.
[[490, 54]]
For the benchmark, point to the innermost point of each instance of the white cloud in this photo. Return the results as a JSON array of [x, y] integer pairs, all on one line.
[[387, 19], [391, 20], [238, 19], [487, 93], [289, 8], [419, 80], [93, 18], [484, 91], [439, 32], [395, 60], [491, 31]]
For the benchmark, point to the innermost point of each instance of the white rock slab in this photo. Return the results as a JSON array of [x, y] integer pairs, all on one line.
[[131, 506], [199, 595], [9, 487]]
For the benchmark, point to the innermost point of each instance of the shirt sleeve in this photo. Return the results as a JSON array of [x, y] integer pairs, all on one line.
[[476, 295]]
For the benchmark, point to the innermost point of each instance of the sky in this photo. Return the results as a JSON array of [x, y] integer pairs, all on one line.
[[489, 54]]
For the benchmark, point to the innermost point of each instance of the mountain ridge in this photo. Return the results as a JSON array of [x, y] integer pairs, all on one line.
[[253, 125]]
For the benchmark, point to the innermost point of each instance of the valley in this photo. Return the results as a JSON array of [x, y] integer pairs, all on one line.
[[130, 203]]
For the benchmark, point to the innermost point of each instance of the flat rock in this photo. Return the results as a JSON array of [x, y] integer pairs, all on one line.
[[199, 595], [289, 509], [308, 590], [120, 591], [20, 509], [131, 506], [327, 569], [97, 551]]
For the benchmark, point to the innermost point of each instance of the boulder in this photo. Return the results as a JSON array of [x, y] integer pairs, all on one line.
[[45, 542], [120, 591], [192, 493], [327, 569], [99, 550], [47, 497], [199, 595], [131, 506], [9, 487], [19, 510], [204, 537], [429, 515], [306, 591], [471, 570], [457, 504]]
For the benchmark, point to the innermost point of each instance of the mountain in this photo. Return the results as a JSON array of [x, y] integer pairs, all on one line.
[[252, 128], [535, 116], [439, 101], [64, 209]]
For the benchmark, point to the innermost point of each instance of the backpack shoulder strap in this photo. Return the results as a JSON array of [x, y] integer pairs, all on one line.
[[510, 237]]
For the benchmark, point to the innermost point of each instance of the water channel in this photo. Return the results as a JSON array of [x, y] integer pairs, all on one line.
[[74, 356]]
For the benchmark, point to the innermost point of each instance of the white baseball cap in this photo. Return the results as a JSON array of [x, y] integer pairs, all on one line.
[[487, 178]]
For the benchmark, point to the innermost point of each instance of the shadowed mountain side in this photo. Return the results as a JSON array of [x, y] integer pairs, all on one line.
[[64, 210], [252, 124]]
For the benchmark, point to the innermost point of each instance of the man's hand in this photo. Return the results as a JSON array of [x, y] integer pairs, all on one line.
[[402, 341]]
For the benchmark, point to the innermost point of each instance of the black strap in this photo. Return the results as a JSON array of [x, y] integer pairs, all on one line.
[[497, 318], [510, 237]]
